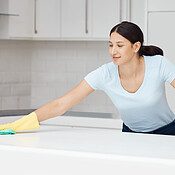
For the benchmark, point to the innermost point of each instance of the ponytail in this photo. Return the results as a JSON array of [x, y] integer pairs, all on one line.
[[150, 51]]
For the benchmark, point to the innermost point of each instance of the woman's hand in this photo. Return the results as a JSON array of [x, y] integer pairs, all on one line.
[[27, 122]]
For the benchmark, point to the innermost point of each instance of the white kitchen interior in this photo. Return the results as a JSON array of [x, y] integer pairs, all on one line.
[[46, 49]]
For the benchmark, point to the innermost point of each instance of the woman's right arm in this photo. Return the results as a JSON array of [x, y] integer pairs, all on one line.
[[61, 105]]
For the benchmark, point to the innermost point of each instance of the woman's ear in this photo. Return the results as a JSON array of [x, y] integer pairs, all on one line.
[[137, 46]]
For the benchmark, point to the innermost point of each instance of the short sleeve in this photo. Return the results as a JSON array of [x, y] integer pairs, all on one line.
[[167, 70], [95, 78]]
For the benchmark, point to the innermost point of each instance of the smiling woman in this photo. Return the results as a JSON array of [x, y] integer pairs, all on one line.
[[134, 81]]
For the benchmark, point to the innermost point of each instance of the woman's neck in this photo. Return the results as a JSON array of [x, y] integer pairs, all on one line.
[[131, 69]]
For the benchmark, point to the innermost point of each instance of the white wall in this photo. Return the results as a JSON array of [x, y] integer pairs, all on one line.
[[33, 73]]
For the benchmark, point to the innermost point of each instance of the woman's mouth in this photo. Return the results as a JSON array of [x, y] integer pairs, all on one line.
[[115, 58]]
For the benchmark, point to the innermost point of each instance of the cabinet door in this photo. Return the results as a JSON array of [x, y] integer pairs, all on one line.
[[74, 18], [22, 25], [105, 14], [161, 5], [161, 33], [47, 18]]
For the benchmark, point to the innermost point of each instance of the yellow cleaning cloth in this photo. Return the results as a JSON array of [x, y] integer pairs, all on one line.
[[27, 122]]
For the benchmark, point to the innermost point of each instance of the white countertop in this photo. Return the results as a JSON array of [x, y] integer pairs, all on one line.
[[94, 143]]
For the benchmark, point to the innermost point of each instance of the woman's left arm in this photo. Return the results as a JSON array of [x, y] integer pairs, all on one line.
[[173, 83]]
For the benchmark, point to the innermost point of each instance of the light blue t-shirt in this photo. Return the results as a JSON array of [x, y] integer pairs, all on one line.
[[146, 109]]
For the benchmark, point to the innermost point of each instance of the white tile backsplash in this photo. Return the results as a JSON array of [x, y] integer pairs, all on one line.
[[20, 90], [25, 102], [33, 73], [5, 90], [10, 102]]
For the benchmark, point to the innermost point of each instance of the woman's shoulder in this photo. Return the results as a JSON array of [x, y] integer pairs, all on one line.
[[106, 70], [154, 61], [109, 69], [154, 57], [109, 66]]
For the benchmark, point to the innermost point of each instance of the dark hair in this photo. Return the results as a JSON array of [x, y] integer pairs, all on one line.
[[133, 33]]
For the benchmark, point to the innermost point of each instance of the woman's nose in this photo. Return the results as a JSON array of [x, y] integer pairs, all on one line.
[[114, 51]]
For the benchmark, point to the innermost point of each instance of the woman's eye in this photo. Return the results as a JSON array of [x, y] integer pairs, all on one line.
[[110, 45], [120, 45]]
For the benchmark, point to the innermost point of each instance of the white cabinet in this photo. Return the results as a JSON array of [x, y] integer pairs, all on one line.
[[46, 19], [161, 32], [161, 29], [75, 18], [30, 19], [16, 18], [105, 14], [161, 5], [58, 19], [88, 18]]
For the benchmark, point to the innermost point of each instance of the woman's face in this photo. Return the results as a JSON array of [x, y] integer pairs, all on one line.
[[121, 50]]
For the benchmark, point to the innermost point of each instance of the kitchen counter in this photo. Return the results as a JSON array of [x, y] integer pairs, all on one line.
[[74, 150]]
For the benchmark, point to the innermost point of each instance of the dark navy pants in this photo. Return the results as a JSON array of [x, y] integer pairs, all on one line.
[[168, 129]]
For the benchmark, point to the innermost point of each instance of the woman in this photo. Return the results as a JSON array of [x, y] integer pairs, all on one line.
[[134, 80]]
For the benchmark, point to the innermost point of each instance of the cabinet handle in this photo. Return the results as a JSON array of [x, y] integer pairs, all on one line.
[[120, 17], [35, 30], [86, 16], [128, 10], [7, 14]]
